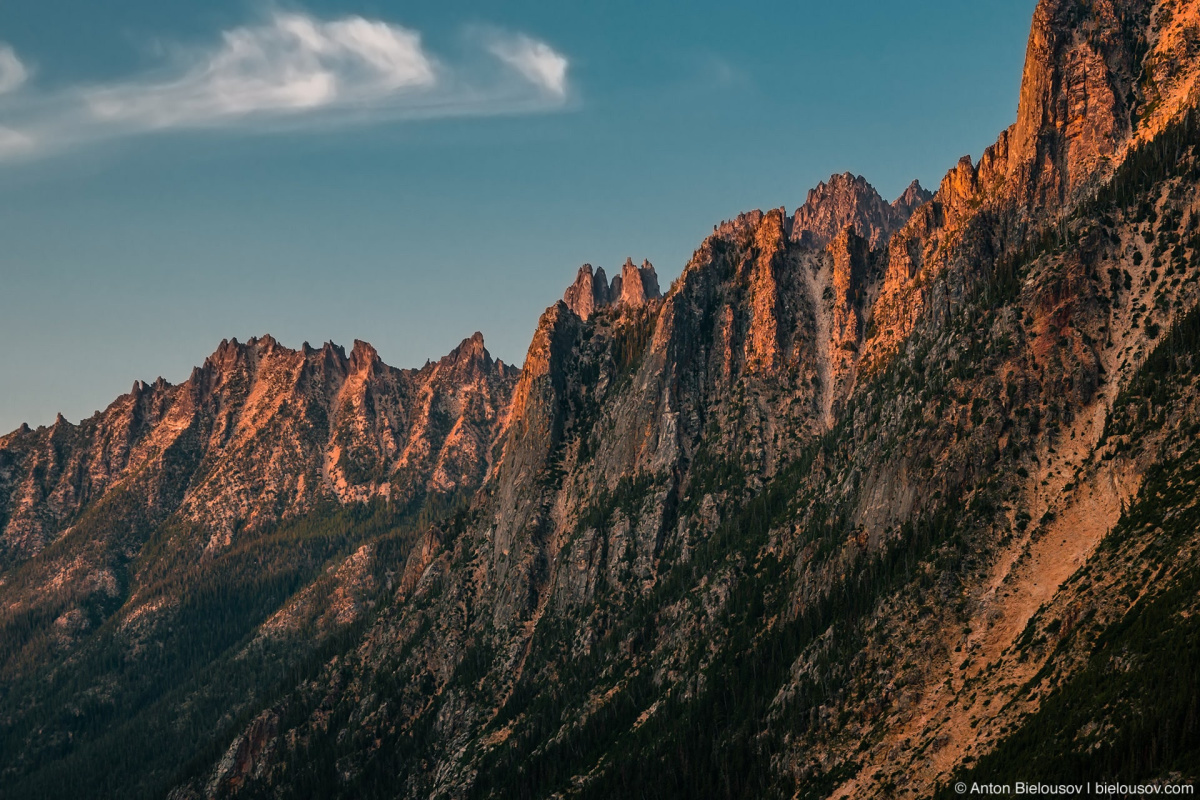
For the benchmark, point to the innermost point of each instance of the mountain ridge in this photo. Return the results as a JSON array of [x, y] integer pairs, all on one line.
[[240, 390]]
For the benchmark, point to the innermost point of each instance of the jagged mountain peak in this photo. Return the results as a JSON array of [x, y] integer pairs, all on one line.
[[911, 199], [334, 349], [266, 342], [260, 433], [591, 291], [844, 200], [847, 199], [469, 354], [843, 182], [230, 352]]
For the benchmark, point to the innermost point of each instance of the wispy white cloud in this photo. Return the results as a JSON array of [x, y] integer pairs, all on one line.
[[289, 69], [12, 72], [535, 60], [292, 64]]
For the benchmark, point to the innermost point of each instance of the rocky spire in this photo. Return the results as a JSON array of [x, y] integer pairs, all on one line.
[[591, 291], [363, 356], [649, 279], [470, 353], [637, 284], [588, 293], [601, 294]]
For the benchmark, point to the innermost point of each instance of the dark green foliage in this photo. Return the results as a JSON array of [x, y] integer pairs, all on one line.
[[627, 497], [1172, 153], [711, 474]]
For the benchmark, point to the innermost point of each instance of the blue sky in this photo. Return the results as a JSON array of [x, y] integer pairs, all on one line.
[[172, 174]]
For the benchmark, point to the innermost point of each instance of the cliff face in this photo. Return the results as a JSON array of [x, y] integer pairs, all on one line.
[[1077, 95], [1094, 87], [857, 508]]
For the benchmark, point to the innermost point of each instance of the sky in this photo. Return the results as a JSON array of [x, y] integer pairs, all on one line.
[[174, 174]]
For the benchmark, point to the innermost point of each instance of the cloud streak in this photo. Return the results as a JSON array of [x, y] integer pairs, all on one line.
[[535, 60], [291, 70]]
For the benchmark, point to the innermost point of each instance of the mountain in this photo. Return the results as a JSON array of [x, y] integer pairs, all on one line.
[[876, 497], [260, 434], [135, 531], [848, 200]]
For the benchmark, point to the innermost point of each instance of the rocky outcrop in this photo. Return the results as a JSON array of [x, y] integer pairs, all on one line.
[[849, 254], [638, 284], [631, 289], [589, 293], [909, 201], [245, 757], [1077, 90], [848, 200], [762, 340]]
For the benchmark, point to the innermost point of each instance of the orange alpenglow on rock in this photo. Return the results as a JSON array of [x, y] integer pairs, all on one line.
[[591, 291]]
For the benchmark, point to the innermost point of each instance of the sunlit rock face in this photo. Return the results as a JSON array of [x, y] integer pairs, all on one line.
[[631, 289], [847, 200], [260, 433]]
